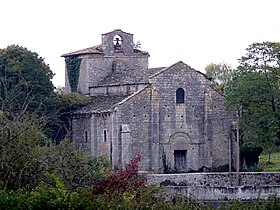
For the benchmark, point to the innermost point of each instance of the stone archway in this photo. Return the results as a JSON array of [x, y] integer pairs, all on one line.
[[180, 151]]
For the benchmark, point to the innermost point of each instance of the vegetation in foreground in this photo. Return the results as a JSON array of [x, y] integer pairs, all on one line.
[[124, 189]]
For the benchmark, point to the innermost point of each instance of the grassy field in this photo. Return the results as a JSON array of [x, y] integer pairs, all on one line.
[[274, 164]]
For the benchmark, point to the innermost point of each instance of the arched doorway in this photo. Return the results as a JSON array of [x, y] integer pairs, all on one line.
[[180, 151]]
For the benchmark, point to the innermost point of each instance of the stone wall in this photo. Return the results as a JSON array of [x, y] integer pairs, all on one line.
[[201, 125], [81, 132], [116, 90], [95, 67], [222, 134], [169, 135], [134, 121], [219, 186], [92, 133], [126, 42], [182, 125]]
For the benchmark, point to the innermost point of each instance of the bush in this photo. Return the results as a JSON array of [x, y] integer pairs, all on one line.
[[45, 197], [23, 147], [57, 196], [250, 152], [127, 180], [75, 168], [26, 155]]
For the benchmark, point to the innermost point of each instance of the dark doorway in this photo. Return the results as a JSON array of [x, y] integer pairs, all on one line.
[[180, 159]]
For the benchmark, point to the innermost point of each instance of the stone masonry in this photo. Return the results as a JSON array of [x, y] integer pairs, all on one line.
[[169, 115], [219, 186]]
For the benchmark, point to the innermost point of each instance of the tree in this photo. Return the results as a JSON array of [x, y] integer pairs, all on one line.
[[22, 147], [25, 82], [27, 156], [30, 113], [219, 74], [255, 86], [26, 87]]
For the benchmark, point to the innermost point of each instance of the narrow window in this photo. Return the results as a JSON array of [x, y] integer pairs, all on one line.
[[114, 65], [180, 96], [180, 157], [105, 135], [86, 136]]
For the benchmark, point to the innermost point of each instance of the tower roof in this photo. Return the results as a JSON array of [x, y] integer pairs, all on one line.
[[90, 50], [95, 50]]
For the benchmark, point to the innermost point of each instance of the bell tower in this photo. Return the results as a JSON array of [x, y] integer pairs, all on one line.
[[86, 68], [117, 42]]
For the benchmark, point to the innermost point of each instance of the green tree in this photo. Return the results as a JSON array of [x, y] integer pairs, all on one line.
[[255, 87], [219, 74], [27, 156], [25, 82], [26, 87], [23, 146]]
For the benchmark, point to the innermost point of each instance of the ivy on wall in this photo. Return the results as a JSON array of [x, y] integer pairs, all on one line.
[[73, 69]]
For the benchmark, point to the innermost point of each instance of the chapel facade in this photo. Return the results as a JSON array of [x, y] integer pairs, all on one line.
[[168, 115]]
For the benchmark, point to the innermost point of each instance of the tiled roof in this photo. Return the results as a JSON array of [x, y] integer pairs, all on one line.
[[101, 104], [91, 50], [153, 71], [129, 76], [96, 50], [179, 62]]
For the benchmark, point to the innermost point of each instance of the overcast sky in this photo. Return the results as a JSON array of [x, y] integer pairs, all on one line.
[[197, 32]]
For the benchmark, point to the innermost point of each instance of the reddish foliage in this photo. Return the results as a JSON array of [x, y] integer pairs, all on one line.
[[124, 180]]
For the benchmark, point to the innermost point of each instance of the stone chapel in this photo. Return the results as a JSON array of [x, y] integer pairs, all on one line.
[[170, 115]]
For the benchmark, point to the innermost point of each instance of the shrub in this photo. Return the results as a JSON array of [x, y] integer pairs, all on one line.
[[250, 151], [127, 180], [75, 168], [26, 155]]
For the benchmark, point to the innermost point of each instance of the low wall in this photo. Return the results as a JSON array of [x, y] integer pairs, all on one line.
[[219, 186]]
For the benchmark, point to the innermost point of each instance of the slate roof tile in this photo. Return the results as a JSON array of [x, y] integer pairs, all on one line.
[[96, 50], [101, 104], [129, 76]]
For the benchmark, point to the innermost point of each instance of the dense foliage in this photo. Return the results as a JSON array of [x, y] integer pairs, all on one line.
[[27, 155], [127, 180], [219, 75], [58, 197], [26, 87], [73, 69], [255, 87], [25, 82], [250, 152]]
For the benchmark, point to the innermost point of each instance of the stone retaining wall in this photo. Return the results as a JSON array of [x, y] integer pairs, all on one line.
[[219, 186]]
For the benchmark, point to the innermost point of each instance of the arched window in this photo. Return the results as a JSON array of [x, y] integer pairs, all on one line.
[[180, 96], [118, 43]]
